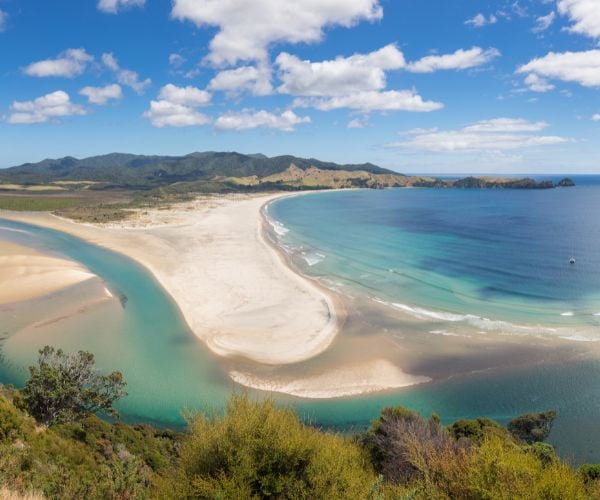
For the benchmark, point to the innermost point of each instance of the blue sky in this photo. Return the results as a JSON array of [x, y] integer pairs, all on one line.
[[413, 85]]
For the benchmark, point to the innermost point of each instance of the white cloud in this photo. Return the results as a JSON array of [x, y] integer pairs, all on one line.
[[461, 59], [256, 80], [340, 76], [113, 6], [125, 76], [542, 23], [186, 96], [506, 125], [246, 120], [355, 123], [500, 134], [365, 102], [480, 20], [537, 84], [54, 105], [168, 114], [70, 63], [578, 67], [176, 60], [247, 29], [596, 117], [101, 95], [584, 13], [177, 107], [3, 18]]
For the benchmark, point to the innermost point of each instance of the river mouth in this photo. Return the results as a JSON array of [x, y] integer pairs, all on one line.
[[169, 370]]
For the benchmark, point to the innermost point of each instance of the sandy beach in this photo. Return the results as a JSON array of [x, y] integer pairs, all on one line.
[[26, 274], [236, 291]]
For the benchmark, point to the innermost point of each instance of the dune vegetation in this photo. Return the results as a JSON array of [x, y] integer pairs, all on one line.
[[254, 450]]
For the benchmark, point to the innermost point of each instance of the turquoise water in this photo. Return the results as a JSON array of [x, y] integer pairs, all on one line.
[[492, 258], [165, 366]]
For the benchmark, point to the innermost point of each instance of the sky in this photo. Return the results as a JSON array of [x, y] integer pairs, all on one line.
[[418, 86]]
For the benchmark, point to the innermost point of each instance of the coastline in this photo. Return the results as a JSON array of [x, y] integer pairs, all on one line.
[[239, 293]]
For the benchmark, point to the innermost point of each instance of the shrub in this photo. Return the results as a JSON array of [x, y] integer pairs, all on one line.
[[590, 472], [533, 427], [475, 430], [402, 444], [258, 451]]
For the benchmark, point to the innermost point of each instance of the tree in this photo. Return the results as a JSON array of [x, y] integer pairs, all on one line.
[[65, 387], [533, 427]]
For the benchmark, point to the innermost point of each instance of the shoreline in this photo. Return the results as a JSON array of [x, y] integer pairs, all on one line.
[[239, 292]]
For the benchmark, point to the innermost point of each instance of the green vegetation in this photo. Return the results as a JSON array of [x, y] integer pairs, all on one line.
[[533, 427], [65, 387], [254, 450], [37, 203]]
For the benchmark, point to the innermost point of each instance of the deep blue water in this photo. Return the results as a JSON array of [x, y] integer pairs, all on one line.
[[502, 255], [485, 261]]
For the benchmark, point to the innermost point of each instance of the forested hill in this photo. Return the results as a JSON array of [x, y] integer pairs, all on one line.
[[139, 171], [225, 172]]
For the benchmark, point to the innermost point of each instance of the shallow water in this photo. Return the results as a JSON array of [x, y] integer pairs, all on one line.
[[486, 263]]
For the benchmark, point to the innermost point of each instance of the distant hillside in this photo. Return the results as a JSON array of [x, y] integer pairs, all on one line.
[[225, 172], [144, 172]]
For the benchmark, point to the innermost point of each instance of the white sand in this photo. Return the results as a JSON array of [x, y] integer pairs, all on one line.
[[236, 292], [233, 289], [26, 274], [351, 380]]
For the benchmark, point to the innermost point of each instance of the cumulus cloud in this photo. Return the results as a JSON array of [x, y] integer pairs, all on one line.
[[500, 134], [246, 120], [368, 101], [537, 84], [125, 76], [186, 96], [596, 117], [101, 95], [113, 6], [480, 20], [247, 29], [177, 107], [253, 79], [70, 63], [3, 19], [585, 15], [461, 59], [542, 23], [54, 105], [578, 67], [355, 123], [343, 75]]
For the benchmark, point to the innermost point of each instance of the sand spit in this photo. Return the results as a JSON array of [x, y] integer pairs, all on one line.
[[26, 274]]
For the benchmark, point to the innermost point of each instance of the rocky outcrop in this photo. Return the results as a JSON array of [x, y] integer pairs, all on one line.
[[566, 182]]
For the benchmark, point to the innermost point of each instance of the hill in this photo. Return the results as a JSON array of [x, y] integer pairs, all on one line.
[[146, 172]]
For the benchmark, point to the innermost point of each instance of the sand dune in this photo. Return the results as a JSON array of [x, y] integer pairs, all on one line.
[[26, 274]]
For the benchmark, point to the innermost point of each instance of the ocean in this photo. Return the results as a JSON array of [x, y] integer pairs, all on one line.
[[471, 288]]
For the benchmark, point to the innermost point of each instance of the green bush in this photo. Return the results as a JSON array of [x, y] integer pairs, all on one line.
[[475, 430], [533, 427], [258, 451], [590, 472]]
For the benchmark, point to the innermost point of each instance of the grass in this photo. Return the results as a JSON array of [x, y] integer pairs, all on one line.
[[37, 203]]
